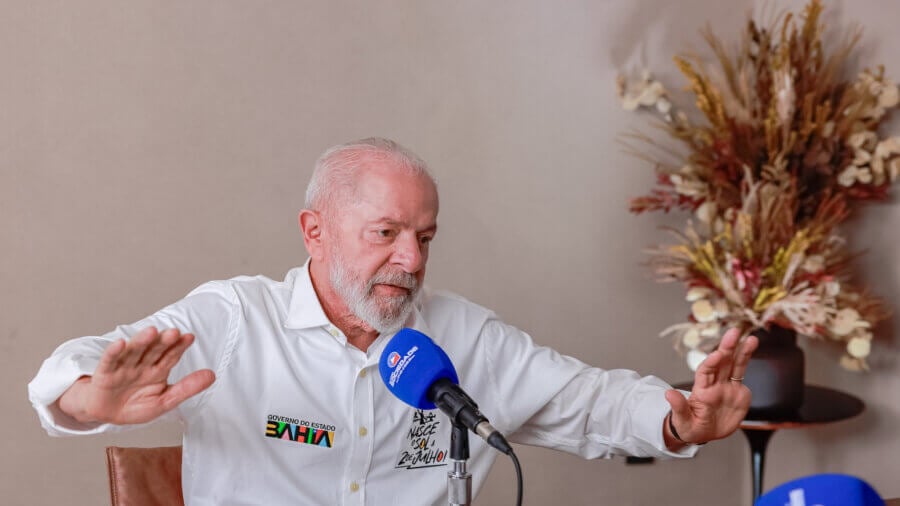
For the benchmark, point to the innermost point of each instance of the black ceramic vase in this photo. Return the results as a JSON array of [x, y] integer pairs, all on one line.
[[775, 374]]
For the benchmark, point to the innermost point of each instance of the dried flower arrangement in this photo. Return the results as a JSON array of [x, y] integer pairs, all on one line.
[[785, 148]]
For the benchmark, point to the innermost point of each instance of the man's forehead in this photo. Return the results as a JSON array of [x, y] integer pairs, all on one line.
[[385, 189], [393, 180]]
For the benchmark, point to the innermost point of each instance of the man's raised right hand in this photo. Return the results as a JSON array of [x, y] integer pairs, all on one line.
[[130, 385]]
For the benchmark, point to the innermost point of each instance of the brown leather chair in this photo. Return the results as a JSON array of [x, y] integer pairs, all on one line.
[[144, 476]]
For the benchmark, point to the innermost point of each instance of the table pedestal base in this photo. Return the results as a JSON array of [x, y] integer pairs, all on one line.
[[758, 440]]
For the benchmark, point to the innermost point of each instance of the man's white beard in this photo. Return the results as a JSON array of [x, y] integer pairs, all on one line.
[[386, 314]]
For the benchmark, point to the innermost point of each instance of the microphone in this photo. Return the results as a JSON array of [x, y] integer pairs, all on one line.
[[419, 373]]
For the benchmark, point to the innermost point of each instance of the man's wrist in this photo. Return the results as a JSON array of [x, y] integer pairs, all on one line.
[[70, 403], [674, 432]]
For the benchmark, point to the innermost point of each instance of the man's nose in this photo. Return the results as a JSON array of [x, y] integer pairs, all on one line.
[[408, 253]]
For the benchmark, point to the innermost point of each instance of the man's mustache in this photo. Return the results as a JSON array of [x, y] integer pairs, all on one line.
[[395, 278]]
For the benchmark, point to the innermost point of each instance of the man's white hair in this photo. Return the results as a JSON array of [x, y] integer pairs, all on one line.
[[334, 177]]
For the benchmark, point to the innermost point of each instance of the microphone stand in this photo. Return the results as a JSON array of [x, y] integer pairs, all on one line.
[[459, 480]]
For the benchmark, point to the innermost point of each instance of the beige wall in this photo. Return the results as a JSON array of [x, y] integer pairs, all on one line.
[[148, 146]]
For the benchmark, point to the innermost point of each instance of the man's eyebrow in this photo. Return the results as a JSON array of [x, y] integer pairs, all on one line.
[[385, 220], [394, 223]]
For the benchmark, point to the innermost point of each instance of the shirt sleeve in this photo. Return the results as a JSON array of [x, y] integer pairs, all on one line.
[[209, 312], [555, 401]]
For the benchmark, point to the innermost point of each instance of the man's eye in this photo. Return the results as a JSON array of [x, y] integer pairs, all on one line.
[[425, 239], [385, 233]]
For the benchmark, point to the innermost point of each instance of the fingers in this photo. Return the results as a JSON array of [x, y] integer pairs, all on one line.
[[189, 386], [748, 346], [109, 359], [167, 339], [727, 347], [707, 370], [172, 355], [717, 367], [146, 348], [137, 346]]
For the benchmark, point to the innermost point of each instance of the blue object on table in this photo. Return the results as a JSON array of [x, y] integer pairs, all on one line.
[[822, 490]]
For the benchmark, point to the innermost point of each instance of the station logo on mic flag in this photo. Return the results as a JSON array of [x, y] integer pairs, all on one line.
[[393, 358]]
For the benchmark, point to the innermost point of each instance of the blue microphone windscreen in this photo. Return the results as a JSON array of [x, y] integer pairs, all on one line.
[[824, 490], [410, 363]]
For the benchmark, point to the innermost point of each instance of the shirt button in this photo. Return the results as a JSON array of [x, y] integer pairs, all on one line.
[[362, 373], [354, 486], [363, 431]]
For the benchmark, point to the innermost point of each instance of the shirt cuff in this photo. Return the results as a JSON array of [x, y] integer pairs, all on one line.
[[57, 374]]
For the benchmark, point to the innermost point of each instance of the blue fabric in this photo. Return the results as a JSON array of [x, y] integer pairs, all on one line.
[[822, 490]]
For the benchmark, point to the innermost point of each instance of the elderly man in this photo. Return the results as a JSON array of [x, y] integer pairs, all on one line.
[[276, 382]]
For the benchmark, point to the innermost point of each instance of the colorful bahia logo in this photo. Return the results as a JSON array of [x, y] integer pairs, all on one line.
[[393, 358]]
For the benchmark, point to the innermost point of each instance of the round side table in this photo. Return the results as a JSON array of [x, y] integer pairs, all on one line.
[[820, 405]]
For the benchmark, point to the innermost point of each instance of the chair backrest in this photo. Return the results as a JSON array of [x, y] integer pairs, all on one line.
[[822, 490], [144, 476]]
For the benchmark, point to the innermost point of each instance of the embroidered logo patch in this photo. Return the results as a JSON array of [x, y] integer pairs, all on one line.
[[421, 448], [300, 431]]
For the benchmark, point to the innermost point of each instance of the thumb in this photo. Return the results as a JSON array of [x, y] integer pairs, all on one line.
[[680, 407], [190, 385]]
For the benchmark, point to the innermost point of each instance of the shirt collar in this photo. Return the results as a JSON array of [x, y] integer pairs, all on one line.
[[416, 320], [305, 311]]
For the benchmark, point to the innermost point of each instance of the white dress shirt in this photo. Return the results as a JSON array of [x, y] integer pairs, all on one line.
[[299, 416]]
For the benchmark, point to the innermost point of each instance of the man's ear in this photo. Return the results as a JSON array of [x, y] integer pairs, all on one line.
[[311, 227]]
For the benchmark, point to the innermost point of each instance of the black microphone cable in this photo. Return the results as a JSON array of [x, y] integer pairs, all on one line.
[[463, 412], [519, 484]]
